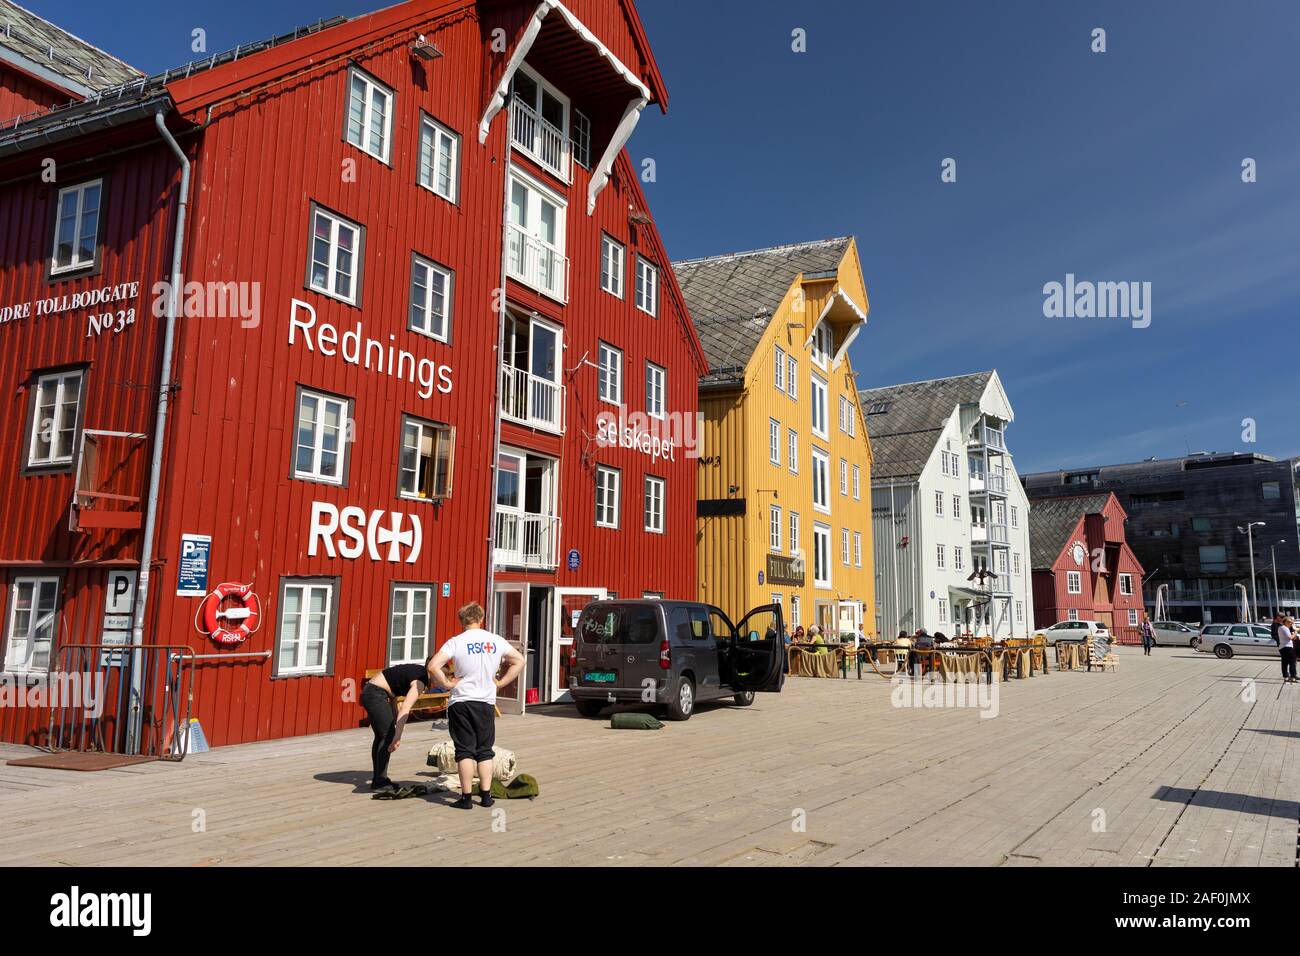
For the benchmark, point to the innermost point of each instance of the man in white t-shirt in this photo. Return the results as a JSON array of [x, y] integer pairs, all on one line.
[[1286, 646], [471, 711]]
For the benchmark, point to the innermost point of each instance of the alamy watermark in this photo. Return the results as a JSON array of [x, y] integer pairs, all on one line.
[[1084, 299], [932, 692]]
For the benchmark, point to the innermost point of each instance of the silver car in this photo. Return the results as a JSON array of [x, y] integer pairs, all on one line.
[[1174, 634], [1073, 631], [1230, 640]]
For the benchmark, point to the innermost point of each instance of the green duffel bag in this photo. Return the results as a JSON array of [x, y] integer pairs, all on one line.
[[523, 786], [634, 722]]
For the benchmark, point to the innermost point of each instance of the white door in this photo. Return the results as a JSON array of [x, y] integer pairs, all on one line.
[[510, 620], [569, 603]]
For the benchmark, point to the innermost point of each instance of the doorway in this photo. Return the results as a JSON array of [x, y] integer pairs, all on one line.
[[569, 603], [539, 666]]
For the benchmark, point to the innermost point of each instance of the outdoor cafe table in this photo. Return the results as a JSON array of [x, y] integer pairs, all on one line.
[[1014, 661], [816, 660]]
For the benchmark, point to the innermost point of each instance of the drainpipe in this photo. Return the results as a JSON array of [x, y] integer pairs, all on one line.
[[159, 433]]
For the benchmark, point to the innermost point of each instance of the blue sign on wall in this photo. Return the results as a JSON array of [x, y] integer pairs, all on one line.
[[192, 569], [760, 577], [446, 589], [575, 559]]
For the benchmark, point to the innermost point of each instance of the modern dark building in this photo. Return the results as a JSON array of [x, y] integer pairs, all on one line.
[[1183, 521]]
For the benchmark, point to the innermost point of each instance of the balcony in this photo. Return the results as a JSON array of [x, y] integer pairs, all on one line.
[[540, 138], [989, 534], [990, 438], [532, 400], [527, 541], [536, 264], [988, 484]]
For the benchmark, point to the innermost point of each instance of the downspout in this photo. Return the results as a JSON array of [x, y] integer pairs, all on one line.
[[159, 434]]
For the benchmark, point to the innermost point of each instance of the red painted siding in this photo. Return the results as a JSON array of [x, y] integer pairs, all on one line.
[[22, 94]]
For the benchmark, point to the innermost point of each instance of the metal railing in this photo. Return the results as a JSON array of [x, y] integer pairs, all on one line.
[[534, 263], [532, 400], [543, 140], [527, 540]]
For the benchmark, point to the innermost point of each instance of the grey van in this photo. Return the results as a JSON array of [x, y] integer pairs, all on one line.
[[674, 653]]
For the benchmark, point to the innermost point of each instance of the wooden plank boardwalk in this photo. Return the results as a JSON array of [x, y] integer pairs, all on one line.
[[1174, 759]]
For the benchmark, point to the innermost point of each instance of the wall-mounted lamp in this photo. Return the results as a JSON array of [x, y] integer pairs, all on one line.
[[424, 49]]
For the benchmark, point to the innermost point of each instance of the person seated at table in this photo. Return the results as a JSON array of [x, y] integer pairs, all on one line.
[[815, 636]]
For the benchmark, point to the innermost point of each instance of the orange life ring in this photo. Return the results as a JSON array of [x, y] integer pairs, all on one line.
[[219, 623]]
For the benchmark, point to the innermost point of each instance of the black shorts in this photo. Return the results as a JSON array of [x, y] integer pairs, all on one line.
[[473, 727]]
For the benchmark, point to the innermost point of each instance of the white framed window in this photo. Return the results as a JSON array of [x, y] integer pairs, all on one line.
[[76, 227], [56, 412], [938, 504], [369, 123], [1126, 584], [1015, 562], [610, 373], [821, 555], [844, 546], [956, 466], [792, 450], [940, 557], [943, 463], [607, 491], [1015, 517], [647, 286], [848, 417], [409, 617], [819, 409], [654, 505], [1002, 562], [857, 483], [792, 377], [1132, 617], [539, 120], [774, 528], [774, 441], [535, 240], [306, 627], [959, 558], [779, 366], [821, 476], [1072, 614], [956, 507], [33, 619], [321, 444], [431, 294], [857, 549], [439, 169], [794, 532], [428, 451], [844, 478], [1074, 582], [581, 139], [821, 345], [611, 266], [337, 250], [795, 611], [655, 389], [1020, 612]]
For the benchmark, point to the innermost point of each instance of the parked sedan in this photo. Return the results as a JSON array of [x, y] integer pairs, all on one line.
[[1073, 631], [1229, 640], [1174, 634]]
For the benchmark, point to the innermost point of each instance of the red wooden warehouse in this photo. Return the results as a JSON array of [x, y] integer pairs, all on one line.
[[425, 348], [1083, 567]]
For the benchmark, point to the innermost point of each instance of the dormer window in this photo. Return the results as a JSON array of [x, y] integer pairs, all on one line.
[[539, 121], [821, 345]]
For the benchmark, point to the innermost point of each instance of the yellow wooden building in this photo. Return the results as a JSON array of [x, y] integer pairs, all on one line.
[[784, 489]]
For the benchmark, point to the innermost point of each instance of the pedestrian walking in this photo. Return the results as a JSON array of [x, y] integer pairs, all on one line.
[[471, 710], [387, 720], [1286, 648], [1148, 636]]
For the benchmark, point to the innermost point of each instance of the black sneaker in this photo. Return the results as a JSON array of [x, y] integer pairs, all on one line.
[[384, 784], [464, 803]]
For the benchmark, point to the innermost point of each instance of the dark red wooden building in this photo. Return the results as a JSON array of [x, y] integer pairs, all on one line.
[[419, 285], [1083, 568]]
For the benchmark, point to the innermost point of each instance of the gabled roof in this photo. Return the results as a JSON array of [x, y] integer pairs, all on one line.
[[910, 418], [732, 298], [57, 56], [1053, 520]]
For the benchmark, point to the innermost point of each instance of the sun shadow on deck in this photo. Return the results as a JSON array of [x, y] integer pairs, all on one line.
[[1235, 802]]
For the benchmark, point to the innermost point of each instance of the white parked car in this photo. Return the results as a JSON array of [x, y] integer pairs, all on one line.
[[1230, 640], [1073, 631], [1174, 634]]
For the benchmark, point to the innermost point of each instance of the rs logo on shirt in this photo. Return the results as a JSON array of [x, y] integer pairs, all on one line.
[[481, 647]]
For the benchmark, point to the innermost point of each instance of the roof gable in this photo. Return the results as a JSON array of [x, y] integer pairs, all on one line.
[[908, 419], [1055, 522]]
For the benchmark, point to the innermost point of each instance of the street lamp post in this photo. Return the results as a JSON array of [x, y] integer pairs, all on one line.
[[1249, 531], [1272, 557]]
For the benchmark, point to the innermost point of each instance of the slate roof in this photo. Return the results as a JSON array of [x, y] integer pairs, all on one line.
[[904, 434], [732, 298], [59, 51], [1052, 519]]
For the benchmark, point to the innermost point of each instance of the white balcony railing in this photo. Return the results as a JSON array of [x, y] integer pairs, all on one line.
[[993, 438], [527, 540], [532, 400], [536, 264], [989, 533], [541, 139], [995, 483]]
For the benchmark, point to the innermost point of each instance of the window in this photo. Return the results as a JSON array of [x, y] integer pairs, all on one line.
[[425, 467], [536, 239], [431, 287], [792, 377], [776, 598], [1272, 490], [647, 287], [370, 114], [56, 413], [857, 482], [33, 607], [439, 159], [1020, 612], [1072, 614], [819, 407], [654, 505], [607, 481], [959, 558], [938, 504], [821, 555], [844, 546], [940, 558], [1002, 562], [821, 465], [792, 450], [654, 390], [943, 463], [794, 610], [409, 637], [857, 549], [1132, 617], [1015, 563], [1214, 558], [821, 345], [337, 247], [531, 364], [1074, 582], [611, 266], [774, 441], [956, 507], [794, 532], [774, 528], [610, 373], [322, 433], [76, 227], [956, 466], [780, 369], [1126, 584], [306, 627], [844, 478], [1015, 517], [943, 610], [581, 137], [539, 124], [1200, 524], [848, 417]]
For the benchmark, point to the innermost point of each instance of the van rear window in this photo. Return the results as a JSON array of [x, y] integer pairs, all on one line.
[[620, 624]]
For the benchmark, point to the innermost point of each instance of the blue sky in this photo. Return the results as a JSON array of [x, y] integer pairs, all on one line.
[[1115, 166]]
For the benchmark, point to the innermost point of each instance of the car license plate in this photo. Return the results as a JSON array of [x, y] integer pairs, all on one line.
[[599, 677]]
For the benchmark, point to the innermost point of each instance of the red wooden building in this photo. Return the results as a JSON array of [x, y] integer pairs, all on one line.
[[418, 282], [1083, 568]]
